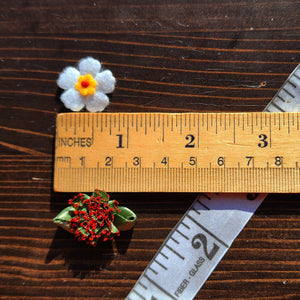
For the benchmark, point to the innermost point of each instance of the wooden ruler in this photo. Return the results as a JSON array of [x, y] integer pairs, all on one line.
[[190, 152]]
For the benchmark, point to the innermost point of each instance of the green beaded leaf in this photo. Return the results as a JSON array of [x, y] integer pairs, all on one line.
[[114, 205], [98, 193], [78, 199], [125, 219], [64, 217], [113, 231]]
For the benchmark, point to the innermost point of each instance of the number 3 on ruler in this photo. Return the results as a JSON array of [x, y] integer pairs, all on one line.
[[196, 244]]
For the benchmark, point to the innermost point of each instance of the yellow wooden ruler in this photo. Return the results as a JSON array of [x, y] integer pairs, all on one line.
[[190, 152]]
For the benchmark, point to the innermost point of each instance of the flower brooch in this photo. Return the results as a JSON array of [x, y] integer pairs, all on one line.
[[86, 86], [95, 218]]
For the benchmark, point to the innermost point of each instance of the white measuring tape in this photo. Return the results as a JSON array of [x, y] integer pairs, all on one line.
[[200, 239]]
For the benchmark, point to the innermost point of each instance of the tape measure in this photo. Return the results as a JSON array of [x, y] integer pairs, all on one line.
[[161, 152], [195, 246]]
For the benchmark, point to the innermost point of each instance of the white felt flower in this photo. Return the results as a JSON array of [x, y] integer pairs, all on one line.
[[86, 86]]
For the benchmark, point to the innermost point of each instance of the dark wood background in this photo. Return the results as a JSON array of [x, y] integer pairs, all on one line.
[[167, 56]]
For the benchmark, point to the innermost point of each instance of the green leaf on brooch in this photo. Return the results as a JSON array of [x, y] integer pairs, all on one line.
[[64, 217], [102, 194], [125, 219], [113, 231]]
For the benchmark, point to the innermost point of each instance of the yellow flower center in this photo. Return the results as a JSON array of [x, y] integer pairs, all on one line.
[[86, 85]]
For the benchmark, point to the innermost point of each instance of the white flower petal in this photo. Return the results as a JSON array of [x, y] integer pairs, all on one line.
[[67, 78], [89, 65], [97, 103], [105, 82], [72, 100]]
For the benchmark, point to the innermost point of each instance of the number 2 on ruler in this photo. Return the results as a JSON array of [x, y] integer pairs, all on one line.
[[196, 244]]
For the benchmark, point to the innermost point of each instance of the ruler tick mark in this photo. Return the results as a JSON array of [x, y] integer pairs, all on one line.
[[174, 251], [292, 84], [290, 94], [183, 235], [115, 121], [204, 195], [198, 131], [142, 285], [185, 225], [145, 124], [159, 287], [149, 268], [196, 211], [296, 76], [203, 205], [234, 129], [164, 267], [174, 240], [207, 122], [277, 106], [164, 255], [280, 98], [163, 128], [207, 231], [142, 297]]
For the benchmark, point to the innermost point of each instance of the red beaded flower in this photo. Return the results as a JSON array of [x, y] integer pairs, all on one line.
[[93, 217]]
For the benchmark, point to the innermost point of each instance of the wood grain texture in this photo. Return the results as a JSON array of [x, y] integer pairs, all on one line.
[[168, 56]]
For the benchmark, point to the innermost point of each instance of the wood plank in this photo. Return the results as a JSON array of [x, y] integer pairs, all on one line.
[[170, 56]]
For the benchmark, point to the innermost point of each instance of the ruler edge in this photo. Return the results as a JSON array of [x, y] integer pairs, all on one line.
[[61, 115]]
